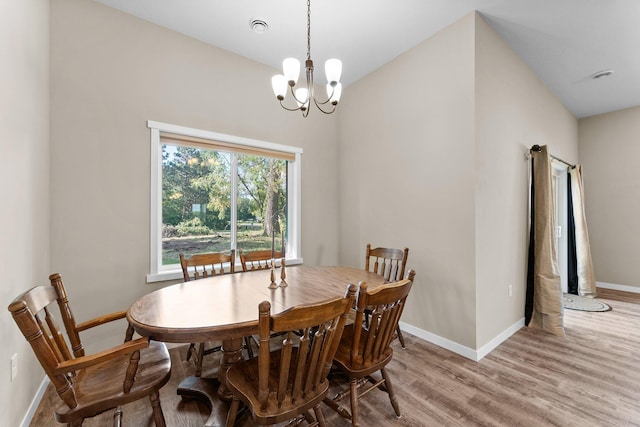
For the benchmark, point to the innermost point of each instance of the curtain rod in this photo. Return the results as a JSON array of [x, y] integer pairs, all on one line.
[[538, 149]]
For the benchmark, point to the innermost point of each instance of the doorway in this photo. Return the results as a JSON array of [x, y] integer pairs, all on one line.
[[559, 180]]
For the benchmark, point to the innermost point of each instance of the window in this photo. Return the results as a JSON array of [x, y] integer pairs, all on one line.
[[212, 192]]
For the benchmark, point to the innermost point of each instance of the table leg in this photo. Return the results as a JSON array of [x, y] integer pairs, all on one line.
[[231, 353], [205, 390], [213, 391]]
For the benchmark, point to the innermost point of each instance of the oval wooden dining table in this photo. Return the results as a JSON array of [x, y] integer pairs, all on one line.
[[225, 308]]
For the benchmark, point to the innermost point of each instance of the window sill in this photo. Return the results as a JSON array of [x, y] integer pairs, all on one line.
[[167, 275]]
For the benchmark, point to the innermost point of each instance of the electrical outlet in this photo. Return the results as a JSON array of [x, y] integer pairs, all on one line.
[[510, 290], [14, 366]]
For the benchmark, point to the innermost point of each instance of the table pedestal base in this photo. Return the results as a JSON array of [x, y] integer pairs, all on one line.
[[206, 390]]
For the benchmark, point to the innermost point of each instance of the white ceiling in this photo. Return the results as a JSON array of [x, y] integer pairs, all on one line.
[[563, 41]]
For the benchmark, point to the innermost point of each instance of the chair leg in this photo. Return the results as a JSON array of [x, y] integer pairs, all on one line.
[[333, 404], [199, 356], [319, 416], [158, 415], [233, 412], [310, 419], [400, 336], [117, 417], [353, 384], [391, 392], [247, 343], [191, 350]]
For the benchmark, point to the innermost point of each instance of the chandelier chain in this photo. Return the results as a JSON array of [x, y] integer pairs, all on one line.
[[308, 29]]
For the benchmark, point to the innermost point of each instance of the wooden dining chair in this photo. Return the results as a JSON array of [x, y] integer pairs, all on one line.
[[286, 383], [89, 384], [200, 266], [389, 263], [257, 260], [365, 350]]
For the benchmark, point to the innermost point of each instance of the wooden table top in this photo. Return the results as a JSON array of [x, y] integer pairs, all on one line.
[[225, 307]]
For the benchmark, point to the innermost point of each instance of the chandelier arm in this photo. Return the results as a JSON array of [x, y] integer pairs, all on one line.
[[315, 101], [312, 95], [318, 103], [293, 93], [319, 106], [287, 108]]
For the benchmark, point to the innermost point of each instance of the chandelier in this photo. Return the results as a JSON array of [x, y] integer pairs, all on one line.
[[304, 95]]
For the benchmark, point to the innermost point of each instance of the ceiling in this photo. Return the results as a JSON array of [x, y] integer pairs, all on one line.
[[564, 41]]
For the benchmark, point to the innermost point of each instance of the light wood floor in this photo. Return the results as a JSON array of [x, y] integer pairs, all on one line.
[[589, 378]]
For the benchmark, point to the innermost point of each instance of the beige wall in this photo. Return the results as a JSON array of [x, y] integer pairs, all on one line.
[[609, 151], [110, 73], [448, 151], [407, 176], [24, 193], [514, 111], [445, 126]]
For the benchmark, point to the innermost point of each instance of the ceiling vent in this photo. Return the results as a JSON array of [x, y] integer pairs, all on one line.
[[601, 74]]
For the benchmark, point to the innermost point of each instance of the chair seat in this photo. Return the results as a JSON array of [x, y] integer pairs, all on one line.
[[243, 376], [95, 384]]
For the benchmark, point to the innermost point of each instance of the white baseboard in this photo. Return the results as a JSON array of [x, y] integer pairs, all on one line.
[[496, 341], [625, 288], [460, 349], [439, 341], [26, 421]]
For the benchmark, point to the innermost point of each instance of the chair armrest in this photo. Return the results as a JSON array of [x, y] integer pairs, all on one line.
[[100, 320], [101, 356]]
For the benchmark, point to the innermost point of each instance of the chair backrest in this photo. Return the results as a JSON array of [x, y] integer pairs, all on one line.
[[372, 344], [199, 266], [387, 262], [257, 260], [34, 312], [310, 334]]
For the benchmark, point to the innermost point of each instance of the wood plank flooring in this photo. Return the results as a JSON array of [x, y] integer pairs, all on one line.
[[591, 377]]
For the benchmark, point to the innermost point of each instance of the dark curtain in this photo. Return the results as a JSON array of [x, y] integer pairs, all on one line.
[[572, 257], [528, 303]]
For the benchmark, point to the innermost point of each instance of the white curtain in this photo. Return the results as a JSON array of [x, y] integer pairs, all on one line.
[[586, 276]]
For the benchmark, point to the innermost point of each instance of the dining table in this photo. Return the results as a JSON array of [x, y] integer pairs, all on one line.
[[225, 308]]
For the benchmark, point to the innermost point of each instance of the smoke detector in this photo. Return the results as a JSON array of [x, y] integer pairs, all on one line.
[[258, 25]]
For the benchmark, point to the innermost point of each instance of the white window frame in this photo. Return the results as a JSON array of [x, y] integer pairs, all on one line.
[[158, 272]]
